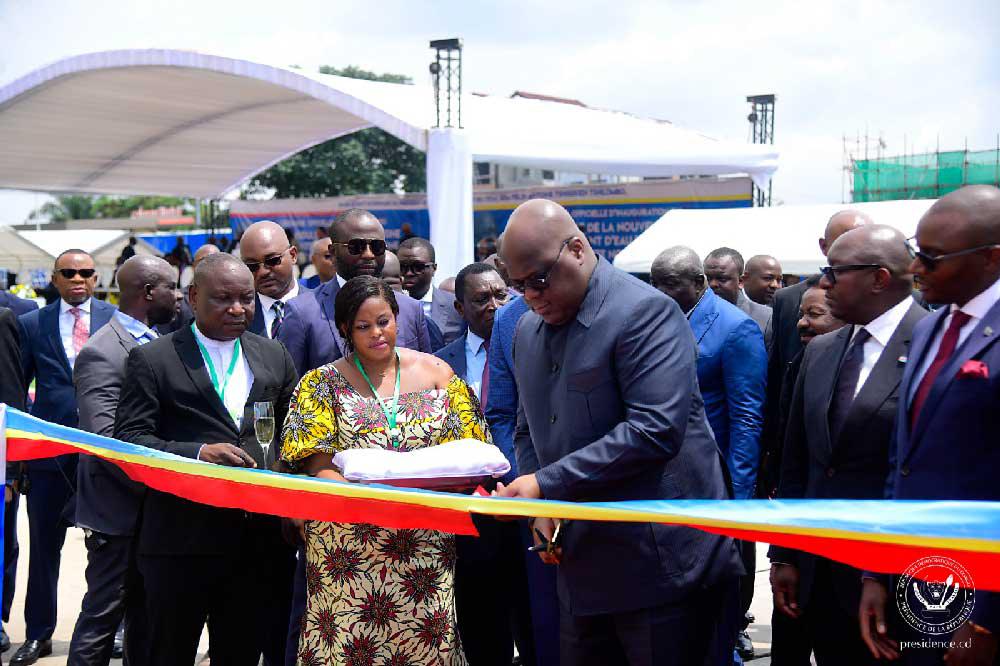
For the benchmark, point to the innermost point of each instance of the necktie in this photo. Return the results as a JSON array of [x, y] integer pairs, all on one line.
[[944, 352], [484, 388], [278, 308], [847, 383], [80, 332]]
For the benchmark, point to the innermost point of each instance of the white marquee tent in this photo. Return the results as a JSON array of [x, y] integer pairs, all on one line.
[[191, 124], [789, 233]]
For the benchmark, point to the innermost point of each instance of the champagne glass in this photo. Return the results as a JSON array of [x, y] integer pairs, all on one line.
[[263, 425]]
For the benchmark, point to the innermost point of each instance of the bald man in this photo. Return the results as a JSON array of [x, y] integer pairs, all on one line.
[[840, 426], [202, 563], [390, 272], [606, 374], [761, 279], [785, 346], [949, 410], [107, 501], [267, 252], [323, 262]]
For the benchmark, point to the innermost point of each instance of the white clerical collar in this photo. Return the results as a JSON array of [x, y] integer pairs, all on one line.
[[266, 301], [211, 343], [65, 307]]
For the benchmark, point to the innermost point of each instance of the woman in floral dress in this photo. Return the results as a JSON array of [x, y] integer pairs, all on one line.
[[375, 595]]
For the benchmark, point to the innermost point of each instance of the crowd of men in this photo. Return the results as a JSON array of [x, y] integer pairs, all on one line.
[[712, 381]]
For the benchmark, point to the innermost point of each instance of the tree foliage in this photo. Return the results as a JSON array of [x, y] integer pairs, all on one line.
[[86, 207], [369, 161]]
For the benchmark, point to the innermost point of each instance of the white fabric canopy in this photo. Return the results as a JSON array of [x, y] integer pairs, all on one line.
[[191, 124], [789, 233]]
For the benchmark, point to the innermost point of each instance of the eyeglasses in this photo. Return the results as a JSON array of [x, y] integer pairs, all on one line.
[[270, 262], [830, 272], [415, 266], [357, 246], [70, 273], [930, 262], [540, 281]]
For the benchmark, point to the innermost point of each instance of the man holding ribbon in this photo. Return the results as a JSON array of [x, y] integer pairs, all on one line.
[[192, 394]]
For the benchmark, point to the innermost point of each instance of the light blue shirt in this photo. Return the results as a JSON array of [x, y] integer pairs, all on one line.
[[475, 362], [139, 331]]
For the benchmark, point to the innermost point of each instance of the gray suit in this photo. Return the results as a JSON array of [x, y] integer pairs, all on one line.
[[444, 314], [759, 313], [610, 410], [107, 507]]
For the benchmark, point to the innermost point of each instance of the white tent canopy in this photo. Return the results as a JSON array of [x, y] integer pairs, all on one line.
[[789, 233], [191, 124]]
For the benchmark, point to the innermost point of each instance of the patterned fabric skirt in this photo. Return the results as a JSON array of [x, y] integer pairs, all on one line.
[[379, 597]]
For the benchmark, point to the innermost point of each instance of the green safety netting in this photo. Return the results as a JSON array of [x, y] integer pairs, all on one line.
[[924, 176]]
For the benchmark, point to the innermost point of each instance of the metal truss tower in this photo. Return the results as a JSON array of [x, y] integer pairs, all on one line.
[[762, 127], [447, 72]]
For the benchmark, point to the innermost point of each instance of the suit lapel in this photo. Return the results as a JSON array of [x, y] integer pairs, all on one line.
[[457, 360], [100, 314], [704, 315], [258, 324], [825, 383], [49, 322], [125, 338], [326, 296], [194, 364]]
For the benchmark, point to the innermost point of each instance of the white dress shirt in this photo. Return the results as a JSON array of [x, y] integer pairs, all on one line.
[[881, 330], [427, 301], [341, 281], [475, 362], [266, 302], [976, 309], [238, 388], [66, 323]]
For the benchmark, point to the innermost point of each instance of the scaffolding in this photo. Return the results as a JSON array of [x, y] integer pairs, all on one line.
[[922, 175]]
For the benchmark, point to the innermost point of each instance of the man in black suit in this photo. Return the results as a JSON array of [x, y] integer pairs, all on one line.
[[12, 392], [785, 346], [107, 502], [266, 251], [840, 426], [192, 393]]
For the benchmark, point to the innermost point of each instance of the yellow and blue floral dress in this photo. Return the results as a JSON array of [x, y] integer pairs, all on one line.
[[377, 596]]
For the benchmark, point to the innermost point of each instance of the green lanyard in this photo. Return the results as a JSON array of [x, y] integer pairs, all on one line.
[[390, 416], [220, 389]]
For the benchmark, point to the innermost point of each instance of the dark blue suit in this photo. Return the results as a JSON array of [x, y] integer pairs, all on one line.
[[610, 410], [732, 374], [310, 334], [258, 325], [951, 453], [44, 360], [19, 305]]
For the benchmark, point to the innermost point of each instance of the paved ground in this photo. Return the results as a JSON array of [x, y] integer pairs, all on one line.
[[72, 587]]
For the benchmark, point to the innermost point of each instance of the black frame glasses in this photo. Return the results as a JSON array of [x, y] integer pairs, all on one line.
[[830, 272], [415, 267], [540, 281], [270, 262], [70, 273], [930, 262], [356, 246]]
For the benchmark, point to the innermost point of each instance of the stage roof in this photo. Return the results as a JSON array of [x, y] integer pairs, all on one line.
[[192, 124]]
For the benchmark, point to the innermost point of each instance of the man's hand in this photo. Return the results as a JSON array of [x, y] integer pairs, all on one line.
[[973, 646], [8, 494], [547, 526], [294, 531], [226, 454], [872, 612], [525, 487], [785, 588]]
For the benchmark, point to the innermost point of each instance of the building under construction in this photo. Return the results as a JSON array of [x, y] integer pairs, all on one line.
[[923, 175]]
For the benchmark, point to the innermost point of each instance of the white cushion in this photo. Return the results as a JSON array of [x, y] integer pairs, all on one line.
[[456, 463]]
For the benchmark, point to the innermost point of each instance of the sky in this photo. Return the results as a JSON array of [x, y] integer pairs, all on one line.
[[927, 73]]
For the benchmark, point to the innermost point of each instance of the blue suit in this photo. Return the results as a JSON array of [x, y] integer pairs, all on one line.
[[19, 305], [732, 375], [311, 337], [44, 360], [258, 325], [951, 453]]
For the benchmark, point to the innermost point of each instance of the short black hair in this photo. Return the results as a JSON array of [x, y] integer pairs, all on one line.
[[723, 252], [417, 241], [74, 250], [477, 268], [812, 280], [213, 263], [352, 296], [344, 217]]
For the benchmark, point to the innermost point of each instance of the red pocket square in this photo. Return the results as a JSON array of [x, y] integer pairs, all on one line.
[[974, 369]]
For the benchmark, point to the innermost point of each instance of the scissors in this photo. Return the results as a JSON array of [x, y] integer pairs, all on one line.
[[546, 545]]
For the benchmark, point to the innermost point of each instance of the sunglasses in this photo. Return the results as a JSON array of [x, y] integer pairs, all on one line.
[[270, 262], [415, 266], [70, 273], [830, 272], [931, 262], [357, 246], [540, 281]]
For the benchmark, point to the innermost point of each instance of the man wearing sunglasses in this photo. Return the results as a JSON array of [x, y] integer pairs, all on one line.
[[265, 250], [610, 410], [308, 331], [417, 267], [948, 414], [51, 339]]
